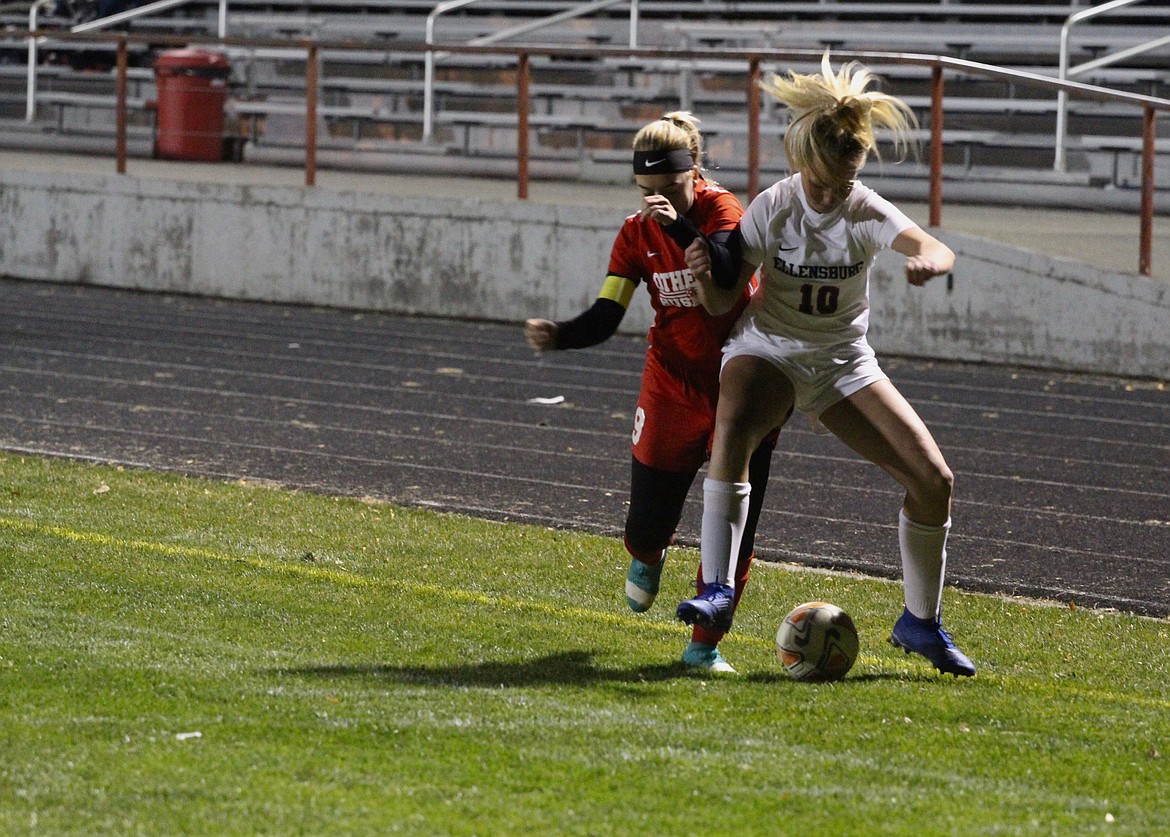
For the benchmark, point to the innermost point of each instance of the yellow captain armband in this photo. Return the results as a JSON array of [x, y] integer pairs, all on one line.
[[619, 289]]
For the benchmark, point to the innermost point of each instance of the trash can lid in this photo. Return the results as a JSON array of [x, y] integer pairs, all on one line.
[[190, 58]]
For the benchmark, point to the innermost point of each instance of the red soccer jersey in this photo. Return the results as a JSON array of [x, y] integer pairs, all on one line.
[[686, 341]]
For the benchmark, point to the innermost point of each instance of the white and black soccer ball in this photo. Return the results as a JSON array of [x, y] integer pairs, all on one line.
[[817, 642]]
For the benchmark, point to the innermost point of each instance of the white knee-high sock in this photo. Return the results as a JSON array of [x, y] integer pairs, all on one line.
[[725, 508], [924, 563]]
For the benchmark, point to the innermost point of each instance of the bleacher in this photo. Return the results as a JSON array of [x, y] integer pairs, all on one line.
[[586, 107]]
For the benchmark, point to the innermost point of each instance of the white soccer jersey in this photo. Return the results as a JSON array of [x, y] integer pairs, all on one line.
[[816, 266]]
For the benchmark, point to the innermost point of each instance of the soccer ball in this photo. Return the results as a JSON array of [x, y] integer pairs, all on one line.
[[816, 642]]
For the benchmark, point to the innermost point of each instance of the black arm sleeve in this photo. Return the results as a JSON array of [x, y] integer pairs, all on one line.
[[595, 325], [725, 247], [682, 231], [726, 256]]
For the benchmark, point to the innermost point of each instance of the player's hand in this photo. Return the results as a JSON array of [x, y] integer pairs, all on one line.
[[920, 270], [658, 208], [541, 335], [698, 259]]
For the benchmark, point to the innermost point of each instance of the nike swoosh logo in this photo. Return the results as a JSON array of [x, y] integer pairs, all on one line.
[[651, 254], [650, 163], [786, 249]]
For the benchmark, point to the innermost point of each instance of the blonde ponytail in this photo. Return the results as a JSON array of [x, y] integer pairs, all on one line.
[[833, 118]]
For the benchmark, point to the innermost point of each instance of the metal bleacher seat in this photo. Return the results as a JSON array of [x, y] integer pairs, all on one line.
[[587, 108]]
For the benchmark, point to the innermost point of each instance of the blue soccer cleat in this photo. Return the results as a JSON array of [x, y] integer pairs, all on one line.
[[711, 609], [926, 637], [706, 657], [642, 583]]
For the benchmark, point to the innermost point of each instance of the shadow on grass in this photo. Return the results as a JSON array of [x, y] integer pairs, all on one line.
[[573, 668], [567, 668], [780, 678]]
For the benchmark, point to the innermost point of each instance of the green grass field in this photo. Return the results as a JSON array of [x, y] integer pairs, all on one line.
[[189, 657]]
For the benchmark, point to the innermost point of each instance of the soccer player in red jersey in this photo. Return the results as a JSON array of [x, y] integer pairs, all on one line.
[[675, 415]]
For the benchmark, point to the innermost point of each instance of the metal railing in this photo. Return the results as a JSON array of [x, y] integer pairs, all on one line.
[[501, 35], [1066, 72], [752, 60], [30, 108]]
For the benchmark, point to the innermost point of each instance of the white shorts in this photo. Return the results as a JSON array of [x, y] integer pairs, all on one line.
[[820, 375]]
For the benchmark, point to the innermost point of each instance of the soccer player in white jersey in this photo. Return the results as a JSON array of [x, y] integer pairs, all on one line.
[[802, 342]]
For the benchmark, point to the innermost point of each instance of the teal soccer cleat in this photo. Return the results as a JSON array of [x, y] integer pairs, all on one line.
[[706, 657], [642, 583]]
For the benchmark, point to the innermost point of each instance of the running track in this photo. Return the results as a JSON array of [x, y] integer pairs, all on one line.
[[1062, 481]]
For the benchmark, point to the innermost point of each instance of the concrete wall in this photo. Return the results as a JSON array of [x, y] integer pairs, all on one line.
[[1010, 305], [508, 260]]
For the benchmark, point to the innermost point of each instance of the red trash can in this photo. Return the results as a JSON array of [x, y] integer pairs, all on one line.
[[192, 89]]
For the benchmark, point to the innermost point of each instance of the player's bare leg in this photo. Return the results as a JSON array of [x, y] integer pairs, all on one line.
[[880, 425]]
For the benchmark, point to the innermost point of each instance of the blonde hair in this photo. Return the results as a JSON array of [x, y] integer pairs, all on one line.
[[677, 129], [831, 133]]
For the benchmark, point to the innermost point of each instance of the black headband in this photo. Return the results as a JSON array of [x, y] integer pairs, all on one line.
[[663, 162]]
